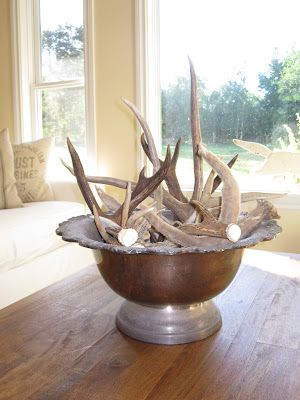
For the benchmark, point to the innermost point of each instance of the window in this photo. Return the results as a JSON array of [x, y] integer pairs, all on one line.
[[54, 72], [247, 58]]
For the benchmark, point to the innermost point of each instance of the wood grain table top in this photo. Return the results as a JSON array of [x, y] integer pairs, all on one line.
[[62, 343]]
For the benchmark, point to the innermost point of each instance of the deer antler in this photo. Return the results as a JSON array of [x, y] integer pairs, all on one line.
[[182, 210], [101, 229], [210, 226], [218, 180], [102, 180], [230, 208], [179, 237], [196, 136], [207, 190], [143, 188], [126, 206], [171, 178], [110, 202], [264, 211], [81, 180], [152, 149]]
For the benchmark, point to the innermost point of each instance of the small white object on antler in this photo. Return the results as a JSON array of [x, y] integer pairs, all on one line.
[[127, 237], [233, 232]]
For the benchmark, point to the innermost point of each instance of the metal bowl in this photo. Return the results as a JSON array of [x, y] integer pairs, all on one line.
[[160, 279], [168, 291]]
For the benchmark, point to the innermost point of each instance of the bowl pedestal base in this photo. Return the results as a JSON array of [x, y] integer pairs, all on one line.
[[169, 324]]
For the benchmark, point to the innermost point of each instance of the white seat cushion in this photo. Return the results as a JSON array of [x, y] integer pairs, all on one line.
[[29, 232]]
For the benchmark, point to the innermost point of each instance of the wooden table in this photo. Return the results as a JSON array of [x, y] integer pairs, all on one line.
[[61, 343]]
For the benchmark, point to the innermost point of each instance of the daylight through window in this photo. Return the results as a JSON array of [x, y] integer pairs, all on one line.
[[247, 58], [60, 86]]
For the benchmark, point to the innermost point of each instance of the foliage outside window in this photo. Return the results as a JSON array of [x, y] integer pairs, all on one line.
[[253, 101], [60, 84]]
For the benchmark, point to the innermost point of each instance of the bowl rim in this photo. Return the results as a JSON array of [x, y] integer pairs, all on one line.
[[69, 232]]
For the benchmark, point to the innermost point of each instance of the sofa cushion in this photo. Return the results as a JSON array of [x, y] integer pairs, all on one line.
[[9, 197], [29, 232], [31, 164]]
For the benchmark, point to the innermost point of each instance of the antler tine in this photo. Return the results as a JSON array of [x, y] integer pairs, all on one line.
[[182, 210], [264, 211], [175, 235], [210, 226], [101, 229], [81, 179], [212, 182], [145, 186], [110, 202], [196, 136], [126, 205], [207, 190], [139, 214], [171, 178], [69, 168], [152, 149], [102, 180], [218, 180], [230, 208]]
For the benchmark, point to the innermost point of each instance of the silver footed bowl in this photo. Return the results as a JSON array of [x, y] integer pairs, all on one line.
[[167, 290]]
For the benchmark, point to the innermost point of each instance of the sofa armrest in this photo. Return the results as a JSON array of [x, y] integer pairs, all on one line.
[[67, 190]]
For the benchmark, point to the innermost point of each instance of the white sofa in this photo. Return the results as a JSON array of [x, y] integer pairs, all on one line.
[[32, 256]]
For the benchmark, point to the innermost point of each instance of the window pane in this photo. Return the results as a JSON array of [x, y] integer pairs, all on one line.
[[62, 40], [63, 114], [248, 80]]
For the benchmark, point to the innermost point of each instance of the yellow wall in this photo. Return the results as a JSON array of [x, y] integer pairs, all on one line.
[[289, 239], [6, 107], [115, 77]]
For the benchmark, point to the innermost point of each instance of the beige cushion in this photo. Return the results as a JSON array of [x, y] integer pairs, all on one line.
[[31, 161], [29, 232], [8, 191]]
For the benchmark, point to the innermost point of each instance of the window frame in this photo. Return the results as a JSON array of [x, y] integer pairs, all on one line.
[[27, 81], [148, 85]]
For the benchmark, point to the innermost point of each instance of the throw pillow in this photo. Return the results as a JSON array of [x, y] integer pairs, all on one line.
[[31, 161], [8, 191]]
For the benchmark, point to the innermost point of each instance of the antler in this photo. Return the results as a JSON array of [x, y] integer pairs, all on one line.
[[196, 136], [230, 208], [264, 211], [179, 237], [110, 202], [143, 188], [182, 210], [126, 206], [210, 226], [218, 180], [152, 149], [101, 229], [171, 178], [81, 180], [207, 190]]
